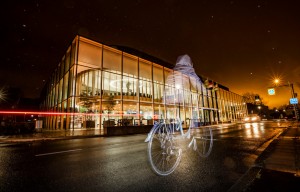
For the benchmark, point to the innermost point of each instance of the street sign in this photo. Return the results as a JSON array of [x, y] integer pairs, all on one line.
[[293, 100], [271, 91]]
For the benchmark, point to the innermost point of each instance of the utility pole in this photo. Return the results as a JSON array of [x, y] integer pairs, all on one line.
[[293, 96], [295, 105]]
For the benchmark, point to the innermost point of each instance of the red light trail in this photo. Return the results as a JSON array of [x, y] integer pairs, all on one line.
[[61, 113]]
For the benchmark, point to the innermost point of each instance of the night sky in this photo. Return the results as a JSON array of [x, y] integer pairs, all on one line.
[[240, 44]]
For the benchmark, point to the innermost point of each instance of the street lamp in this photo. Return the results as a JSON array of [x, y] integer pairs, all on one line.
[[276, 81]]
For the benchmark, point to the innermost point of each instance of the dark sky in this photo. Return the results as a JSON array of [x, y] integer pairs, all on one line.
[[240, 44]]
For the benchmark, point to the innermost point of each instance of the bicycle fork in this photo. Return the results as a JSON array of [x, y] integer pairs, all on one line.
[[194, 143]]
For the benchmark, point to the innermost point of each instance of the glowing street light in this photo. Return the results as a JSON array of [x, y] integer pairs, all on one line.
[[276, 81]]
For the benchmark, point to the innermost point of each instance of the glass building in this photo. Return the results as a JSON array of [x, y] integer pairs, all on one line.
[[96, 85]]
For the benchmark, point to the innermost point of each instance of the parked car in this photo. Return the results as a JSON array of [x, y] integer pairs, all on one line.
[[252, 118]]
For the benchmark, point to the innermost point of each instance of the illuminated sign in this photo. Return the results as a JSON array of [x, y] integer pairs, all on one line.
[[271, 91], [293, 100]]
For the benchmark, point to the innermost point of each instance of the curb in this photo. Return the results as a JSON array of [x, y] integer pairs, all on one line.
[[253, 172], [26, 140]]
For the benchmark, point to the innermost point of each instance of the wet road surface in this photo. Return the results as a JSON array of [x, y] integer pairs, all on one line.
[[121, 164]]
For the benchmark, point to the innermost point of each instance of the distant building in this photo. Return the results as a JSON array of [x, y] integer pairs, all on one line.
[[95, 83]]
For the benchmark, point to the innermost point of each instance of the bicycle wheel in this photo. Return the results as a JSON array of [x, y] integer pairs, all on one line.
[[203, 141], [163, 153]]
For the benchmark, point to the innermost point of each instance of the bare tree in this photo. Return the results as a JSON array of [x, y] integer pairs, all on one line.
[[252, 98]]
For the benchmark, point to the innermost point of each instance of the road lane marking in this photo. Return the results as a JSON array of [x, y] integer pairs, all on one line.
[[58, 152]]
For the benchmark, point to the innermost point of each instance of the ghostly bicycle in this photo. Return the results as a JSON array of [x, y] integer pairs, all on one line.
[[164, 151]]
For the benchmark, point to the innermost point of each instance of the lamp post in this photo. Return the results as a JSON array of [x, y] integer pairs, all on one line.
[[277, 81], [295, 105]]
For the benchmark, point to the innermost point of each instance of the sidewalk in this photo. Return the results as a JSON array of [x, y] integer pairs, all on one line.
[[285, 155], [51, 135], [277, 168]]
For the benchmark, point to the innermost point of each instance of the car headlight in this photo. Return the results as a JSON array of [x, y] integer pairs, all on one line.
[[254, 118], [246, 119]]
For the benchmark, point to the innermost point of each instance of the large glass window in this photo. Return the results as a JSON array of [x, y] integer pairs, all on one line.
[[194, 99], [85, 81], [61, 68], [158, 92], [97, 84], [205, 101], [210, 102], [187, 98], [158, 112], [111, 59], [145, 90], [130, 88], [130, 113], [172, 111], [145, 70], [158, 81], [89, 54], [73, 53], [146, 114], [130, 64], [72, 82], [167, 73], [158, 74], [65, 87], [82, 84], [111, 84], [56, 94], [169, 95]]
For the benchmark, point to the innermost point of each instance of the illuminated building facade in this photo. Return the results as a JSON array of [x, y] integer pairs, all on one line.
[[97, 85]]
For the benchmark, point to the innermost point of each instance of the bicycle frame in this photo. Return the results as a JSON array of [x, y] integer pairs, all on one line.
[[164, 153], [174, 127]]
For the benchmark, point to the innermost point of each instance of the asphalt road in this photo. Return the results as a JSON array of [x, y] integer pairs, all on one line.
[[121, 164]]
